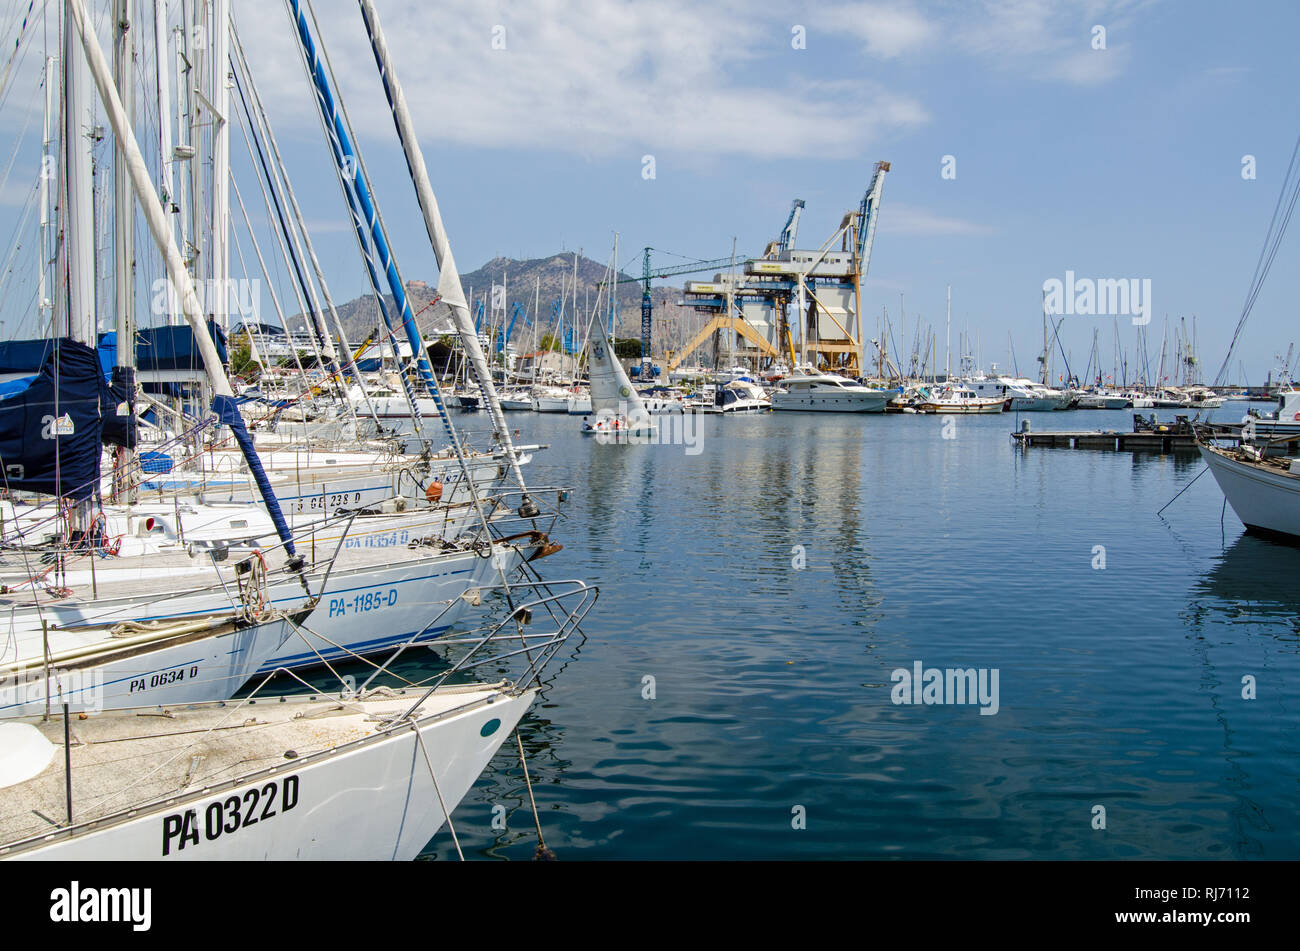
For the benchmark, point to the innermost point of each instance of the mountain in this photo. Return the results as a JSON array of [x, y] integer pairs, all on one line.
[[536, 283]]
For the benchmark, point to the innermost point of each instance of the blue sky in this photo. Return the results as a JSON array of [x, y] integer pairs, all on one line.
[[1123, 162]]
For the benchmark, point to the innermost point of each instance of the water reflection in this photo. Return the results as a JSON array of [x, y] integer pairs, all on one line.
[[1252, 579]]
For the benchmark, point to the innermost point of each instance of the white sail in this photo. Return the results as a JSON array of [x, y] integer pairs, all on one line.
[[612, 394]]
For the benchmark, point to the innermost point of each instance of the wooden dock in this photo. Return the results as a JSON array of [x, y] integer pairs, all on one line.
[[1178, 436]]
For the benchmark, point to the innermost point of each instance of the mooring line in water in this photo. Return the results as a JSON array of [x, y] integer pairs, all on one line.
[[542, 851], [1184, 489]]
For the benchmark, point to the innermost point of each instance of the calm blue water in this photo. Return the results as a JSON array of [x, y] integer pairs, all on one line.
[[1119, 687]]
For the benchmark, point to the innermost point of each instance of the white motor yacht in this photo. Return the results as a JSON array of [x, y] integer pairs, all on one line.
[[826, 393]]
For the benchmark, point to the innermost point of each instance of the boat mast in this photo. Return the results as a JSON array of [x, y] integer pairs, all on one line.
[[185, 147], [124, 245], [168, 159], [1046, 359], [45, 303], [731, 296], [77, 247], [947, 356], [448, 277]]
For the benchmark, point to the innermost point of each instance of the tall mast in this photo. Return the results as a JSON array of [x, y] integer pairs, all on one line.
[[168, 159], [124, 246], [185, 145], [77, 248], [123, 199], [1047, 350], [947, 358], [731, 298], [220, 100], [43, 300]]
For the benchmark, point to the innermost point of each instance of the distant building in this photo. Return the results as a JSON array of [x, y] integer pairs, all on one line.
[[542, 365]]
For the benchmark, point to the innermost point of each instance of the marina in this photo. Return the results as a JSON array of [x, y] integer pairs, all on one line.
[[884, 536]]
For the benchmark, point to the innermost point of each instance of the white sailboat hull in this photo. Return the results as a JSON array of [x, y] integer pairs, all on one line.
[[372, 799], [364, 609], [198, 671], [551, 404], [1265, 499]]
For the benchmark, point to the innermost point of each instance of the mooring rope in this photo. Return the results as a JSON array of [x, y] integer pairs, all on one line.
[[542, 853]]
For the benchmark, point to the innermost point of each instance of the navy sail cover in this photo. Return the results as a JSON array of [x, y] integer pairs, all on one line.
[[50, 432]]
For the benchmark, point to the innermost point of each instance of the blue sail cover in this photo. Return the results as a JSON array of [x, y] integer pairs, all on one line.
[[50, 432], [173, 348]]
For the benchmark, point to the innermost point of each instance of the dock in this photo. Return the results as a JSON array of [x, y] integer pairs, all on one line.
[[1147, 435]]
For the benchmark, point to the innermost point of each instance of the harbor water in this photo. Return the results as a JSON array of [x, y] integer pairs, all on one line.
[[735, 695]]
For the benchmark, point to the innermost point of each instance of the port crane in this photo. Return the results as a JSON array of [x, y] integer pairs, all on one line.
[[820, 289], [647, 275]]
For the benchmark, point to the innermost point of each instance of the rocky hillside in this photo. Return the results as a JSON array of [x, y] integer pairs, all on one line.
[[541, 280]]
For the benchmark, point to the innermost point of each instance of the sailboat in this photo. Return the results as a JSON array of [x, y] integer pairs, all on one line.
[[617, 408], [1262, 488], [367, 776]]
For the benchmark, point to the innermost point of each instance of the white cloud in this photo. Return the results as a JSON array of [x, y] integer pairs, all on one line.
[[886, 31], [1040, 39], [590, 77], [900, 219]]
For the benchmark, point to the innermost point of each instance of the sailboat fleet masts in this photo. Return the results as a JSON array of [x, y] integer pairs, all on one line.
[[368, 229], [223, 401]]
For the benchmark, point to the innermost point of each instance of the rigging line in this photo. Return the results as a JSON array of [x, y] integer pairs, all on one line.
[[290, 252], [18, 42], [364, 240], [243, 128], [450, 826], [1261, 269], [1183, 489], [308, 300], [270, 282], [342, 109], [28, 208], [349, 362], [13, 155]]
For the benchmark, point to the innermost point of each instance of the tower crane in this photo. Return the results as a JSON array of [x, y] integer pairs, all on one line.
[[647, 275]]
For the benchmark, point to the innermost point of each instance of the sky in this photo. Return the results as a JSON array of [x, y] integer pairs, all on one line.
[[1027, 139]]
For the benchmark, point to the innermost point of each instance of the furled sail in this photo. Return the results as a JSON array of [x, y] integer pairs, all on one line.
[[50, 431]]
